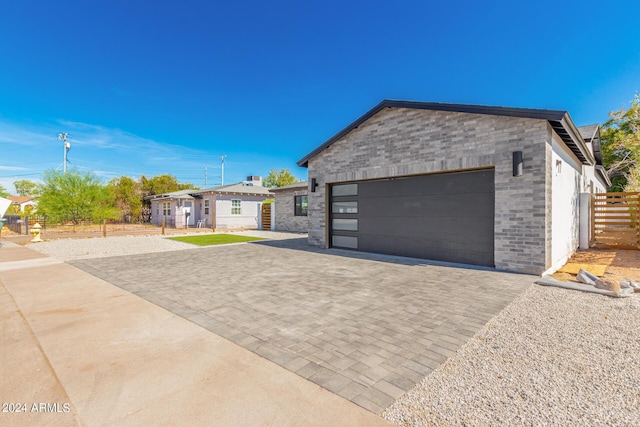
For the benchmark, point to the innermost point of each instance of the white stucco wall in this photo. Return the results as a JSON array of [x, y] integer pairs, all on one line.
[[4, 205], [156, 212], [248, 216], [567, 184], [176, 218], [590, 181], [206, 217], [193, 206]]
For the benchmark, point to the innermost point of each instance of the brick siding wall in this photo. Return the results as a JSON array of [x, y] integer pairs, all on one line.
[[285, 218]]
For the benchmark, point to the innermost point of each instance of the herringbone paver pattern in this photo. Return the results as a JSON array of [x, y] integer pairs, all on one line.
[[366, 327]]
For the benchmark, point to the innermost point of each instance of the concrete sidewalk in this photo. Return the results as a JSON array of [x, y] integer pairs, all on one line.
[[76, 350]]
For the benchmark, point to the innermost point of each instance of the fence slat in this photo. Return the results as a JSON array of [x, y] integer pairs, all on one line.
[[616, 219], [266, 217], [622, 193]]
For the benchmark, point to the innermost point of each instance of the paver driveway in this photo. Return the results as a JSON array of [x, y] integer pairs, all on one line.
[[366, 327]]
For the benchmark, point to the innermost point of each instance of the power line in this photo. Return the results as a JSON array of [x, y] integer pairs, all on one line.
[[24, 174]]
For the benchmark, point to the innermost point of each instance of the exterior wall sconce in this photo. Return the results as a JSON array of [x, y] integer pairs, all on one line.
[[314, 184], [517, 163]]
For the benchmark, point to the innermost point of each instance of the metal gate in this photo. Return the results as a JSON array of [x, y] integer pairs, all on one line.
[[615, 220]]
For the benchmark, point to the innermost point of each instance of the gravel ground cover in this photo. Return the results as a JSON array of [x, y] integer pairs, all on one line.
[[552, 357], [71, 249]]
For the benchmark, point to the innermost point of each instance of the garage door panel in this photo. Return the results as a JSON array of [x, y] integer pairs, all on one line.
[[443, 250], [435, 184], [421, 206], [448, 217], [427, 229]]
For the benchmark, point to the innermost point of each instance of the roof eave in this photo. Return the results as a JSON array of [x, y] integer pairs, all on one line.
[[244, 193], [567, 131], [602, 172], [596, 143]]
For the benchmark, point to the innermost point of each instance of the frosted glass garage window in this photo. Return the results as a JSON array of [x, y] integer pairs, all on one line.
[[345, 242], [345, 224], [345, 190], [344, 207]]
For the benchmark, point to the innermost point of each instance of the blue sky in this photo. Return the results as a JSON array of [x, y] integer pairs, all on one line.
[[151, 87]]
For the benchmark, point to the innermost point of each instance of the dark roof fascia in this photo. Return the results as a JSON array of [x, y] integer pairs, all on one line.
[[596, 142], [561, 118], [295, 186], [569, 133]]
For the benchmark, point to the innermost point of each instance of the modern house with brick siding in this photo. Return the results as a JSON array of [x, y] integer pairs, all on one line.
[[481, 185]]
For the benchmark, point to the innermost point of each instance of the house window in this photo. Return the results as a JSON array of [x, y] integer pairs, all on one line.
[[166, 208], [235, 207], [206, 207], [301, 205]]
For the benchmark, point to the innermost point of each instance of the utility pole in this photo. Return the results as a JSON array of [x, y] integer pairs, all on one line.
[[66, 146], [223, 168]]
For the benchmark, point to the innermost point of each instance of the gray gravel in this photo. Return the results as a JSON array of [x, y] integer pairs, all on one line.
[[72, 249], [553, 357]]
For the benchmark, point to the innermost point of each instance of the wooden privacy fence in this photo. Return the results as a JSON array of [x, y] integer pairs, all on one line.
[[266, 216], [616, 220]]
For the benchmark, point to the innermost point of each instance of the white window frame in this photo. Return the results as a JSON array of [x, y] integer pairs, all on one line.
[[206, 206], [236, 210]]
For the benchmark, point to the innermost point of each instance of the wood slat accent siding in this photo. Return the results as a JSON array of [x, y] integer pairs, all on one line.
[[266, 217]]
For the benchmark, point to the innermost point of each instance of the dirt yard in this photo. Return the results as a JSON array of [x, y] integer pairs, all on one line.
[[89, 231], [619, 264]]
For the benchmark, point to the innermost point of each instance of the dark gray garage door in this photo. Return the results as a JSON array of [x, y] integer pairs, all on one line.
[[446, 217]]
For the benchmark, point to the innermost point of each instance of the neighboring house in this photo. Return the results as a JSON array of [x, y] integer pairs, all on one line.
[[480, 185], [4, 205], [228, 207], [173, 208], [291, 204], [23, 202]]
